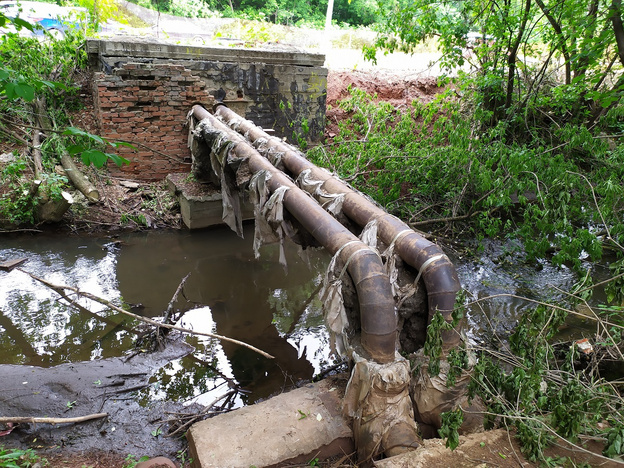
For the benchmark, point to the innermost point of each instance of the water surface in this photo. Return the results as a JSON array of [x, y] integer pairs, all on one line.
[[228, 292]]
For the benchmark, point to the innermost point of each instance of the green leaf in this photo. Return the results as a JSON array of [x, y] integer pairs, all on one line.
[[119, 160], [52, 84], [20, 23], [75, 149], [9, 90], [25, 91], [93, 156], [79, 132], [117, 144]]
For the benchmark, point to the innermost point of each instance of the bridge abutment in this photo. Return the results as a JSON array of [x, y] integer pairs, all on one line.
[[143, 92]]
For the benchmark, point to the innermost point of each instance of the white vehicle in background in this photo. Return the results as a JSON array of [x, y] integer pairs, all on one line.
[[45, 17]]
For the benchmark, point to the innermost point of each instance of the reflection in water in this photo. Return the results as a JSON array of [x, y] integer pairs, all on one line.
[[228, 292], [38, 328]]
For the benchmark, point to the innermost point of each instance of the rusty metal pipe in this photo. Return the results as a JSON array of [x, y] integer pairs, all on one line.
[[440, 276], [377, 312]]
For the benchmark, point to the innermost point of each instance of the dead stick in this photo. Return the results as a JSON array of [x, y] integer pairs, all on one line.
[[142, 319], [169, 312], [37, 161], [27, 419]]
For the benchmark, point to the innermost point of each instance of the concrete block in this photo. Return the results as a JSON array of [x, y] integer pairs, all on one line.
[[293, 427], [201, 205]]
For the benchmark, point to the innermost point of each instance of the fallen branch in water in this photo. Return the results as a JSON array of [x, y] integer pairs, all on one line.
[[61, 291], [31, 420], [183, 421], [169, 313], [154, 338]]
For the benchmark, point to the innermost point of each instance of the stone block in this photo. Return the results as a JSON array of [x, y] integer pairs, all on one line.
[[201, 205], [293, 428]]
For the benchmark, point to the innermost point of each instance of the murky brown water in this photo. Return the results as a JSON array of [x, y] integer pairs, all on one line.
[[228, 292]]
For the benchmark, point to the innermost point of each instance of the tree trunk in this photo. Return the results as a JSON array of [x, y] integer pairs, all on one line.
[[77, 178], [37, 154], [562, 44], [513, 55], [53, 210], [618, 27]]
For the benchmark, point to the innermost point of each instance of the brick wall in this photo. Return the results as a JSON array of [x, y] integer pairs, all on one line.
[[147, 105]]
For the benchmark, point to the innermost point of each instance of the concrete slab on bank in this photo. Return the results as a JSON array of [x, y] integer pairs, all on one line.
[[201, 205], [293, 427]]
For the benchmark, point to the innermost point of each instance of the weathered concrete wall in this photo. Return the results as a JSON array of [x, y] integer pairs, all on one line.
[[283, 90]]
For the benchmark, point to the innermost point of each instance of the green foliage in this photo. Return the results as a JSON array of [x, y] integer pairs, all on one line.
[[89, 145], [17, 206], [433, 343], [431, 166], [615, 442], [451, 422], [35, 75], [535, 66], [286, 12], [16, 458], [131, 461], [458, 362], [543, 391], [560, 196], [138, 219]]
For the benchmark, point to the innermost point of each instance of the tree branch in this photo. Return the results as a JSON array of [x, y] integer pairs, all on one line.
[[32, 420], [61, 291]]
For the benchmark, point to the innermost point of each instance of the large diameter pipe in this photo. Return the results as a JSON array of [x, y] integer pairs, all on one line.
[[377, 313], [438, 272]]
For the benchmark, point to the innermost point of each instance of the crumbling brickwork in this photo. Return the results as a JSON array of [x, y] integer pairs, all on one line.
[[147, 105], [281, 90]]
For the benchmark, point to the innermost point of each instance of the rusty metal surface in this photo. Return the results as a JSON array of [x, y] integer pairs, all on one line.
[[440, 277], [379, 321]]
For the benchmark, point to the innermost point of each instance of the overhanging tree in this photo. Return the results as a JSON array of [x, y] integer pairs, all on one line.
[[563, 58]]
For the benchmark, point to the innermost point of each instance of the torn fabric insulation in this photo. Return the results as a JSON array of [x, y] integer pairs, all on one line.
[[332, 202], [375, 302], [273, 212], [377, 398], [259, 193], [221, 149], [432, 396], [441, 281], [333, 306], [369, 234]]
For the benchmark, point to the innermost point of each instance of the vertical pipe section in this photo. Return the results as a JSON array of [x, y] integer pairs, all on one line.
[[437, 271], [377, 313]]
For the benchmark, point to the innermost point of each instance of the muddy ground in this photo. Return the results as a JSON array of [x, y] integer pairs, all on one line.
[[107, 386]]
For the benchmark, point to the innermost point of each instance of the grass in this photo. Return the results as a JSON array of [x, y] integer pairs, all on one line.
[[17, 458]]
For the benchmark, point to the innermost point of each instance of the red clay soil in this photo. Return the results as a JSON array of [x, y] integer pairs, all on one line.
[[384, 86]]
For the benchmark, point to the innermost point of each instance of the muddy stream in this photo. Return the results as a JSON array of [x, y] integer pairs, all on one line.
[[58, 361]]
